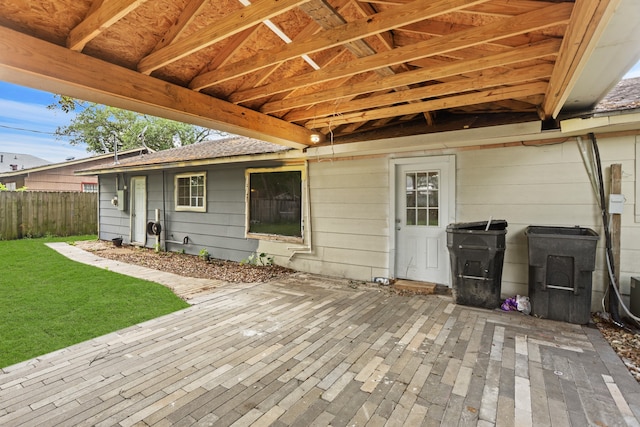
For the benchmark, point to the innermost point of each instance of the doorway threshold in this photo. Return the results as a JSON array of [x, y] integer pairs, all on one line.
[[423, 288]]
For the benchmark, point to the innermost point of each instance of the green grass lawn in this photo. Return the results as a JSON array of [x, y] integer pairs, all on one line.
[[48, 302]]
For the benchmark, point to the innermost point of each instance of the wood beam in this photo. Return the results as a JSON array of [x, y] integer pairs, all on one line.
[[587, 24], [494, 8], [328, 18], [36, 63], [368, 26], [480, 97], [189, 12], [537, 50], [234, 23], [366, 9], [98, 20], [543, 18], [495, 79]]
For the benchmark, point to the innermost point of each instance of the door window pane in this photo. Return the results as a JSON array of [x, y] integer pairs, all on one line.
[[422, 198]]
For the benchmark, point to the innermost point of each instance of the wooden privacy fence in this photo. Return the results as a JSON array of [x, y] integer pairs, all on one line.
[[36, 213]]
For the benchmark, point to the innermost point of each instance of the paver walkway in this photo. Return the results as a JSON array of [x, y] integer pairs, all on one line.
[[311, 350]]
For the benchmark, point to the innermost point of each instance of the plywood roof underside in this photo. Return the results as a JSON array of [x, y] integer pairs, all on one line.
[[291, 70]]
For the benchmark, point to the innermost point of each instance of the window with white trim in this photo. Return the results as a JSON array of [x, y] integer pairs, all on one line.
[[191, 192], [274, 203], [89, 187]]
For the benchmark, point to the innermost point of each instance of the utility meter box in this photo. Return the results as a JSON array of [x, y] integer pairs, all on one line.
[[122, 200]]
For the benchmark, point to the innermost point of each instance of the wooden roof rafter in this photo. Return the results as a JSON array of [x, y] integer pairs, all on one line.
[[552, 15], [463, 85], [235, 23], [491, 95], [368, 26], [101, 16], [373, 64], [536, 50]]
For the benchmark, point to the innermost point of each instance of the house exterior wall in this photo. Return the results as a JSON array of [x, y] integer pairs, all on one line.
[[535, 185], [549, 185], [350, 221], [61, 176], [348, 233], [60, 179], [220, 229], [525, 185]]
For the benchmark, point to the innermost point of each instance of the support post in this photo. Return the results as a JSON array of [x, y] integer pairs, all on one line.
[[616, 220]]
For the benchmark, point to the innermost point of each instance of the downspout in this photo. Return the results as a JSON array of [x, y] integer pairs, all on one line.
[[308, 249]]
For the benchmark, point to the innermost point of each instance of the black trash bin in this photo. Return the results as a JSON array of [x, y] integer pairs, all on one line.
[[477, 256], [561, 263]]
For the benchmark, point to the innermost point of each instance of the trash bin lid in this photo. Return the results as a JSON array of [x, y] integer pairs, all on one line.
[[496, 224], [576, 232]]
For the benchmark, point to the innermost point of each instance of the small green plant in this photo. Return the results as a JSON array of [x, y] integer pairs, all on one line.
[[182, 251], [261, 260], [204, 254]]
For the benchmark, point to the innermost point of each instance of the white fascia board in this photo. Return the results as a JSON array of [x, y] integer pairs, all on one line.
[[610, 123]]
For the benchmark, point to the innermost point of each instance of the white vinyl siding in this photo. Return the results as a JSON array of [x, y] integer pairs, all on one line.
[[547, 185], [349, 214]]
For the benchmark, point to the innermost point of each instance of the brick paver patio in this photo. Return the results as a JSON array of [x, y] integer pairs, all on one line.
[[311, 350]]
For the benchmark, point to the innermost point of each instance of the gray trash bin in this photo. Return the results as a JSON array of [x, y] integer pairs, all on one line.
[[477, 256], [561, 263]]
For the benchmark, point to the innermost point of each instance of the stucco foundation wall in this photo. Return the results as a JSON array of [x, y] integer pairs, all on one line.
[[547, 185]]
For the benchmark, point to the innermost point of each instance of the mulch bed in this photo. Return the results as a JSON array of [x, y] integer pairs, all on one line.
[[186, 265]]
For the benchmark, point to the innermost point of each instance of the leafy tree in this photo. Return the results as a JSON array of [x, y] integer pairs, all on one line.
[[4, 188], [101, 127]]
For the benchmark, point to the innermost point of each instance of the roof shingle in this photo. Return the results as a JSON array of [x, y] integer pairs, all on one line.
[[214, 149]]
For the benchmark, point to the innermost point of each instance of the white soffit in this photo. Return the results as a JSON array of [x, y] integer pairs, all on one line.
[[616, 52]]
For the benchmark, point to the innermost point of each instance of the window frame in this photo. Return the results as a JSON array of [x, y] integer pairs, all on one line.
[[84, 186], [303, 201], [190, 208]]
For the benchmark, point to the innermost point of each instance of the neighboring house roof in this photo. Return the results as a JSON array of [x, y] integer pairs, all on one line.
[[20, 161], [48, 166], [624, 96], [619, 110], [203, 151]]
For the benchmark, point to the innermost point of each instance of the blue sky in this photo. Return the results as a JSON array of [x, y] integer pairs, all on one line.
[[27, 126]]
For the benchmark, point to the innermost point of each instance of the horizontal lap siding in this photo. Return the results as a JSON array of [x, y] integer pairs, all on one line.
[[546, 185], [220, 230], [349, 210], [113, 222]]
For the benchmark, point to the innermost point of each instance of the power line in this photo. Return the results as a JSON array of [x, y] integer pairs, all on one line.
[[29, 130]]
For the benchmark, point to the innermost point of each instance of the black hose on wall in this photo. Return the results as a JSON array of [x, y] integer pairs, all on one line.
[[613, 298]]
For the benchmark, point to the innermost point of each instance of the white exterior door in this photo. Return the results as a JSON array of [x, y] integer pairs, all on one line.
[[425, 205], [138, 210]]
